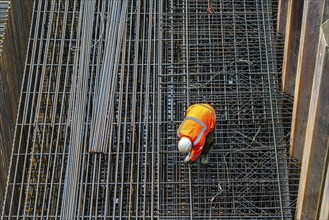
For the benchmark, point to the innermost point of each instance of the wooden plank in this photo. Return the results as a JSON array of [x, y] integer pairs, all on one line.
[[292, 37], [324, 211], [311, 22], [282, 16], [12, 61], [315, 160]]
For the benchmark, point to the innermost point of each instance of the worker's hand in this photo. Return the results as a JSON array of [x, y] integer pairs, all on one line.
[[187, 158], [210, 9]]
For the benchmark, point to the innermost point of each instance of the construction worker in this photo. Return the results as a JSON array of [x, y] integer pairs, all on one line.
[[196, 132]]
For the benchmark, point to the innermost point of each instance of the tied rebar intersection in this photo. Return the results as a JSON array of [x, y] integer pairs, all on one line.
[[106, 85]]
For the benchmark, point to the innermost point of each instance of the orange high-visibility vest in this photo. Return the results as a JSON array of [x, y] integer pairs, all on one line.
[[199, 121]]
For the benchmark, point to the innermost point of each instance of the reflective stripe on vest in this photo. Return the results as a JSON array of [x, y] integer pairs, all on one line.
[[197, 140]]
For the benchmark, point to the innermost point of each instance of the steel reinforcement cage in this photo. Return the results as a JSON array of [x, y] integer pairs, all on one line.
[[106, 85]]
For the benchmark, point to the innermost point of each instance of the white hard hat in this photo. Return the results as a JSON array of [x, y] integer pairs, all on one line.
[[184, 145]]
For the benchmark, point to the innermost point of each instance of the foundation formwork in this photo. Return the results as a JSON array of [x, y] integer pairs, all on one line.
[[106, 85]]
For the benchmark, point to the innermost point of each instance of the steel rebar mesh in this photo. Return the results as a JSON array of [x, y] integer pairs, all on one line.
[[227, 59], [116, 77]]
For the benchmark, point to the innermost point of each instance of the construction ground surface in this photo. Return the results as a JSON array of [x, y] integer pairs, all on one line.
[[106, 86]]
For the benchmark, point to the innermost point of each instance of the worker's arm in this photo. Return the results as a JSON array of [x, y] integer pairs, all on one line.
[[197, 150], [195, 153], [187, 158]]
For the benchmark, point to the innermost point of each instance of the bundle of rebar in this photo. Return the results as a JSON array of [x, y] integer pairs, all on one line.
[[4, 7], [107, 84], [107, 81]]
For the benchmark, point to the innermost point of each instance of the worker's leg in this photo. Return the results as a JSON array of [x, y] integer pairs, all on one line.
[[209, 142]]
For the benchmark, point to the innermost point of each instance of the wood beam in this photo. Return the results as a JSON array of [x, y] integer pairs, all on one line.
[[311, 22], [292, 36], [12, 62], [315, 159], [324, 210], [282, 16]]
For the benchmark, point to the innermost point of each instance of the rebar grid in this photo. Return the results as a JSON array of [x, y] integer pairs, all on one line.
[[227, 59], [4, 7], [116, 77]]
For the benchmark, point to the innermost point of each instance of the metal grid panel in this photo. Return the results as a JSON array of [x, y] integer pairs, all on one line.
[[68, 50], [105, 76], [227, 59]]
